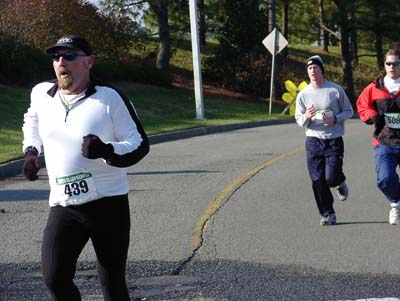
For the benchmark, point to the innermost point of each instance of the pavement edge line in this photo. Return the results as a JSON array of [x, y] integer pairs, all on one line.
[[224, 196]]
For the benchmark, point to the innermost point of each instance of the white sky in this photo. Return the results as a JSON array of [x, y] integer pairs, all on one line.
[[95, 2]]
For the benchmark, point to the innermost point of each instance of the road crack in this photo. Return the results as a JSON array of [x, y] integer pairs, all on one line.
[[221, 199]]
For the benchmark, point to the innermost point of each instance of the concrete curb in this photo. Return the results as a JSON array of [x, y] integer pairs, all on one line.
[[13, 168]]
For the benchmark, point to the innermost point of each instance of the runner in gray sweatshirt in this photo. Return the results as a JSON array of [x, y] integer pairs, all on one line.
[[321, 108]]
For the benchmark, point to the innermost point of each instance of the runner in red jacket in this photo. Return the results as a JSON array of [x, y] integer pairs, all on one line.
[[379, 104]]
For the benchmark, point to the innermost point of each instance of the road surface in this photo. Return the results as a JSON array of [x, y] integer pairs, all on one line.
[[226, 216]]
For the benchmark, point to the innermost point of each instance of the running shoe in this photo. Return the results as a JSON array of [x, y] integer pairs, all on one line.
[[394, 214], [329, 219], [342, 191]]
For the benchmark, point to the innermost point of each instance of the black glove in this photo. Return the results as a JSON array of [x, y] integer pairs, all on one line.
[[93, 148], [379, 121], [32, 164]]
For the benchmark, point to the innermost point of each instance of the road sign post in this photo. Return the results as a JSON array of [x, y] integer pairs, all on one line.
[[198, 88], [274, 42]]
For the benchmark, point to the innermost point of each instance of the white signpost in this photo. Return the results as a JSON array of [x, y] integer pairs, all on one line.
[[274, 42], [198, 89]]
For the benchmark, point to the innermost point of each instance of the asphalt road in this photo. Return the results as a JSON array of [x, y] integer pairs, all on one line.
[[226, 216]]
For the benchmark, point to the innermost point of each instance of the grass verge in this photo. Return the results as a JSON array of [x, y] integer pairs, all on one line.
[[160, 110]]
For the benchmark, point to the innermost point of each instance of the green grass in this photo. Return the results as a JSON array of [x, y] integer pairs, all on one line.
[[13, 104], [160, 110], [171, 110], [164, 110]]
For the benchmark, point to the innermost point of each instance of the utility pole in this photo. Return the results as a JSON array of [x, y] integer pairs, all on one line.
[[198, 86], [271, 25]]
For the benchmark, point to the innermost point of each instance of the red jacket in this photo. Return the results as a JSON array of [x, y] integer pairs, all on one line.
[[372, 104]]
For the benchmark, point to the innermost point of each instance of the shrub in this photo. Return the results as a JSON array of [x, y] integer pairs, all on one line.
[[24, 64], [142, 72]]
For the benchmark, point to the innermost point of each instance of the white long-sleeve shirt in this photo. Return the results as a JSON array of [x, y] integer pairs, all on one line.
[[102, 111]]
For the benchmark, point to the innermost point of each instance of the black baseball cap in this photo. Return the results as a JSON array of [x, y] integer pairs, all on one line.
[[72, 42]]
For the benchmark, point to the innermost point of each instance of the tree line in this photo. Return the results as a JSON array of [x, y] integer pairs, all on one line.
[[234, 29]]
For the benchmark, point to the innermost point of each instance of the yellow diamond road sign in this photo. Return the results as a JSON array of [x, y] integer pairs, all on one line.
[[269, 42]]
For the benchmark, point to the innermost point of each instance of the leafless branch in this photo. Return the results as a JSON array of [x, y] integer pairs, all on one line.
[[337, 35], [135, 3]]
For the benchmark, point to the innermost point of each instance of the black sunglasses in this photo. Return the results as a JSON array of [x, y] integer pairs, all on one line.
[[68, 56], [394, 64]]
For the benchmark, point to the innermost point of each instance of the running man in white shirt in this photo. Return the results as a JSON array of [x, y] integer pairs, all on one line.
[[89, 132]]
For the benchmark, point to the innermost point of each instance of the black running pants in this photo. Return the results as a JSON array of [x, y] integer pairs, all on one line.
[[107, 223]]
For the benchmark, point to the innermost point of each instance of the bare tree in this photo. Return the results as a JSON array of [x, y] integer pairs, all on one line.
[[285, 24], [203, 29], [353, 33], [323, 33], [160, 8], [345, 31], [271, 15], [377, 28]]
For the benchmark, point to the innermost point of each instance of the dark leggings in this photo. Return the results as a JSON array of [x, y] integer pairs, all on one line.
[[107, 223]]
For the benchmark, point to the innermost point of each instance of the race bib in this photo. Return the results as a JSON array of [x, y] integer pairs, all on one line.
[[318, 118], [76, 189], [392, 120]]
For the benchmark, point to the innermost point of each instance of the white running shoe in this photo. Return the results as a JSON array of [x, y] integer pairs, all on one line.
[[342, 191], [394, 214]]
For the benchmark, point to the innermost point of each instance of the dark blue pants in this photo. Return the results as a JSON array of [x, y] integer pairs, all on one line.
[[325, 167], [107, 223], [387, 158]]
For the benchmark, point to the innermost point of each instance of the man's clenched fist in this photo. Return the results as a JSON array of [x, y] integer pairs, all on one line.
[[93, 148], [31, 165]]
